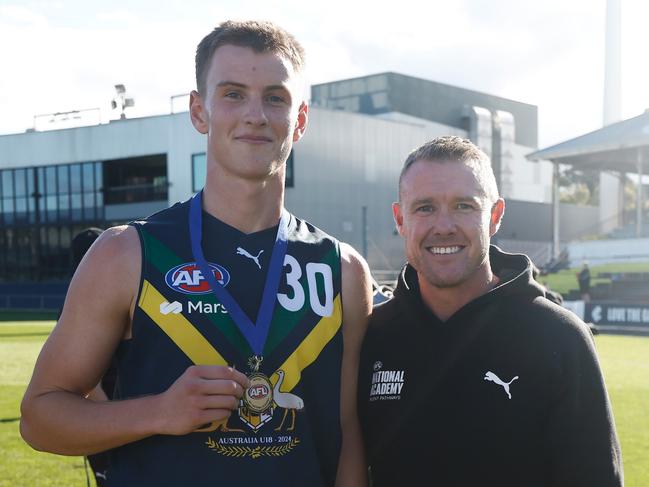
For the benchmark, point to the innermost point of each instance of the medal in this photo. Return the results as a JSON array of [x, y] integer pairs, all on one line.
[[259, 396]]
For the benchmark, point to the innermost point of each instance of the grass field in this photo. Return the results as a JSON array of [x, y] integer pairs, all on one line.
[[565, 280], [625, 361]]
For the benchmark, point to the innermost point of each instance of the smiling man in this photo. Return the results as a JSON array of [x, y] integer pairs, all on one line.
[[469, 375], [235, 326]]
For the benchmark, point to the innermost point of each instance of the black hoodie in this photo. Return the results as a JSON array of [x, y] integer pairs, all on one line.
[[506, 392]]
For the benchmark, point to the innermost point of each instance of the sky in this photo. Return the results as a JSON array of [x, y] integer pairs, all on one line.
[[58, 56]]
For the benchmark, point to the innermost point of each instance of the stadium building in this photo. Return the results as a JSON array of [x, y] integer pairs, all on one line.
[[342, 175]]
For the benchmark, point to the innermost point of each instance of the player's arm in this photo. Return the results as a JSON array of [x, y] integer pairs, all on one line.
[[580, 435], [357, 305], [56, 416]]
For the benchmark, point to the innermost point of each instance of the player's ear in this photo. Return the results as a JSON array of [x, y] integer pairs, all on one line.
[[496, 217], [198, 113], [301, 123], [398, 217]]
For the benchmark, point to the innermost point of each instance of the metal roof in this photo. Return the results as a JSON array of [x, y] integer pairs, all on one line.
[[614, 147]]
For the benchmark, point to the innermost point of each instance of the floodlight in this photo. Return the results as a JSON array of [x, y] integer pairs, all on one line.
[[120, 89]]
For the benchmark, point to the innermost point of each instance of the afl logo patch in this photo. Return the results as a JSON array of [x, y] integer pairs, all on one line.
[[259, 396], [188, 279]]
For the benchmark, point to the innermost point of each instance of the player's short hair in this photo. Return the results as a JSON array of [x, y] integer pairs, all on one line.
[[451, 148], [260, 36]]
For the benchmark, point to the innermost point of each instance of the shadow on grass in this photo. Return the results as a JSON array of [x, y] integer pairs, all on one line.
[[6, 315], [9, 420]]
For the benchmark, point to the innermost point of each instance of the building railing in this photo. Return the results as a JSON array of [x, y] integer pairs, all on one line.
[[135, 193]]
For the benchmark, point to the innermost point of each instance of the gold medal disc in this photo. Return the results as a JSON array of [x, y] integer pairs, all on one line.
[[259, 396]]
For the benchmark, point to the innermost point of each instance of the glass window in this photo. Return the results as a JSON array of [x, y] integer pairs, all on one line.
[[21, 209], [41, 207], [30, 181], [7, 183], [99, 177], [76, 207], [89, 209], [64, 206], [75, 178], [88, 170], [199, 171], [20, 182], [50, 180], [8, 210], [64, 180], [380, 100], [41, 180]]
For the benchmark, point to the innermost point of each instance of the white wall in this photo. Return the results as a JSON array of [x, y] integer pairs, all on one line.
[[598, 252]]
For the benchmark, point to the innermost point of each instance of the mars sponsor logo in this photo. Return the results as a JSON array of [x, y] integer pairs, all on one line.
[[188, 279], [386, 384], [198, 307]]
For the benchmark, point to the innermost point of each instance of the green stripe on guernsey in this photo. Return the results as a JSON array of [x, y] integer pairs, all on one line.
[[162, 258]]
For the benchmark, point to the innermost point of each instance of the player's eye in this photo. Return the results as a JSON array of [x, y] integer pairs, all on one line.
[[233, 95], [424, 209]]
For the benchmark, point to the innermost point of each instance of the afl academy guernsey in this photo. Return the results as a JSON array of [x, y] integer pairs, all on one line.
[[294, 437]]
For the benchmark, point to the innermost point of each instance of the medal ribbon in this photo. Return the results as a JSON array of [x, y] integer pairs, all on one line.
[[254, 333]]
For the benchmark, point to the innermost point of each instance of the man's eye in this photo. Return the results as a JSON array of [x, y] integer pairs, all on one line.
[[424, 209], [464, 206], [275, 99], [233, 95]]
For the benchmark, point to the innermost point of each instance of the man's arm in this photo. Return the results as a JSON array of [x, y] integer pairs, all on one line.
[[357, 305], [580, 435], [56, 417]]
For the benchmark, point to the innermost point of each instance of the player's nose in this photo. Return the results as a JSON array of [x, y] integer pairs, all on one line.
[[255, 113]]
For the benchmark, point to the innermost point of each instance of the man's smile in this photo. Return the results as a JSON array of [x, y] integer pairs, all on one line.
[[444, 250]]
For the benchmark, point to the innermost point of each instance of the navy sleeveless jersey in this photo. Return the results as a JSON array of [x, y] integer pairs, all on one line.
[[179, 322]]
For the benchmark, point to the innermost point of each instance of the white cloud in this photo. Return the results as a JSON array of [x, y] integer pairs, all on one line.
[[21, 16]]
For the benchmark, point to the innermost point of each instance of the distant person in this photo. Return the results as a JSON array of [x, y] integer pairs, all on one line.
[[583, 278], [236, 359], [469, 376], [81, 243]]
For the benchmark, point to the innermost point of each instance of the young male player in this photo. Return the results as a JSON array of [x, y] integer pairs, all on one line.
[[469, 375], [235, 326]]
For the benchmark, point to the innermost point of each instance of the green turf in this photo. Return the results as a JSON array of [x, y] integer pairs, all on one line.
[[625, 362], [566, 280], [19, 464]]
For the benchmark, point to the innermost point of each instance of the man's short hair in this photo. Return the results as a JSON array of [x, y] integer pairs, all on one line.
[[451, 148], [260, 36]]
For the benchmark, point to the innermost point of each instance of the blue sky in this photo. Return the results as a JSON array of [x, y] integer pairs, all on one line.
[[63, 55]]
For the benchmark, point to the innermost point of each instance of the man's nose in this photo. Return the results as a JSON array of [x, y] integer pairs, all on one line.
[[444, 222], [255, 112]]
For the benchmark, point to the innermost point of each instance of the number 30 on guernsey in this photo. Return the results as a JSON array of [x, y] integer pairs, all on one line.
[[321, 307]]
